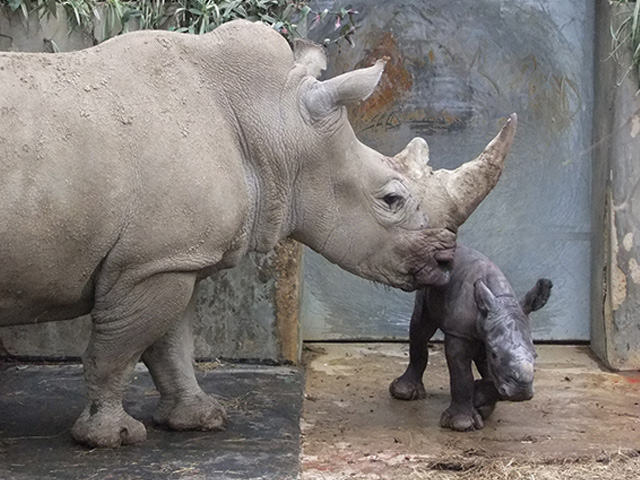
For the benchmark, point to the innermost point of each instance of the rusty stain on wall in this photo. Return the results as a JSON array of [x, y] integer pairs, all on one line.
[[385, 109], [396, 81]]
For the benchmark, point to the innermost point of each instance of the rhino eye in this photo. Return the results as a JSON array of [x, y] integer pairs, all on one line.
[[393, 201]]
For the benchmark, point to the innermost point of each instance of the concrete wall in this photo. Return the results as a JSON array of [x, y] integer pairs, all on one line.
[[615, 326], [249, 312]]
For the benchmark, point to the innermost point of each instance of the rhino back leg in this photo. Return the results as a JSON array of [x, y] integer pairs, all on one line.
[[126, 320], [183, 405], [409, 385]]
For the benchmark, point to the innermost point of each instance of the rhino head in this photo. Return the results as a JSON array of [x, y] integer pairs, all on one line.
[[504, 324], [392, 220]]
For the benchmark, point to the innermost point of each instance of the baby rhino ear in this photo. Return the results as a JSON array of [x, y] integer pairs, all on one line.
[[485, 299], [537, 297]]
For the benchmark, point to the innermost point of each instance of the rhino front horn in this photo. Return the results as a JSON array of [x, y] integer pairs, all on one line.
[[470, 183]]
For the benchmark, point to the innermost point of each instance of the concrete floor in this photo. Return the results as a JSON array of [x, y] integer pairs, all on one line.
[[583, 418], [38, 405], [352, 428]]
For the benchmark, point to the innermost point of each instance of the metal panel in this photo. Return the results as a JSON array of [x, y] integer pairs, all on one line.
[[456, 70]]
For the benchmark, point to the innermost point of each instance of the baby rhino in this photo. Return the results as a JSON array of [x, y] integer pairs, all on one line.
[[482, 322]]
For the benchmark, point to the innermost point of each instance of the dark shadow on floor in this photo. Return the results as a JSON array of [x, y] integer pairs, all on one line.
[[38, 405]]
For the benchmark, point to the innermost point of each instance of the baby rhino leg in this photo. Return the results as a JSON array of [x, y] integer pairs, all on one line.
[[461, 414], [485, 395], [409, 385]]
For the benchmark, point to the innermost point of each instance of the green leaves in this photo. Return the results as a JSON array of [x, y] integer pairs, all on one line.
[[289, 17], [23, 5], [628, 32]]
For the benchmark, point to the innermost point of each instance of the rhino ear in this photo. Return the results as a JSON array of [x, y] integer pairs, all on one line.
[[347, 89], [355, 87], [537, 297], [485, 299], [311, 55]]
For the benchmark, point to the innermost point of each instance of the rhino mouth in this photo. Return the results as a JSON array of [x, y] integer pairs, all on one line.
[[444, 259], [437, 271], [520, 395]]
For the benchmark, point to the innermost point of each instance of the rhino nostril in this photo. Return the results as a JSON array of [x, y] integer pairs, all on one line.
[[445, 264], [444, 258]]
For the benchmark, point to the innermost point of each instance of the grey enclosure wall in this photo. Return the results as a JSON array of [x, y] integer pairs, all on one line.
[[456, 71]]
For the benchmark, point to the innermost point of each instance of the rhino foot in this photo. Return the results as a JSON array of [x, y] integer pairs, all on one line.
[[485, 397], [197, 412], [404, 389], [461, 421], [486, 411], [107, 429]]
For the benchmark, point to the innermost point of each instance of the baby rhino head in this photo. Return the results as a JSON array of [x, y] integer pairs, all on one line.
[[504, 324]]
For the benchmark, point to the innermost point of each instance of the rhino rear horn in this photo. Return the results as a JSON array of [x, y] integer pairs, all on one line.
[[470, 183]]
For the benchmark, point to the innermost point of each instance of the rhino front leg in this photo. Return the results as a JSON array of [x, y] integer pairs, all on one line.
[[461, 414], [183, 405], [485, 395], [125, 322], [409, 385]]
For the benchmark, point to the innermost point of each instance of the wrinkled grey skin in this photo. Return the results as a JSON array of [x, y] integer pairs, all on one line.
[[483, 322], [130, 170]]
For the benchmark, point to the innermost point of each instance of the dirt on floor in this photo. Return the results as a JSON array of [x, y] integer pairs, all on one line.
[[583, 423]]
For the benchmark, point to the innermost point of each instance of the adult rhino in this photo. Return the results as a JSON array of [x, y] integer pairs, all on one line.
[[133, 169]]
